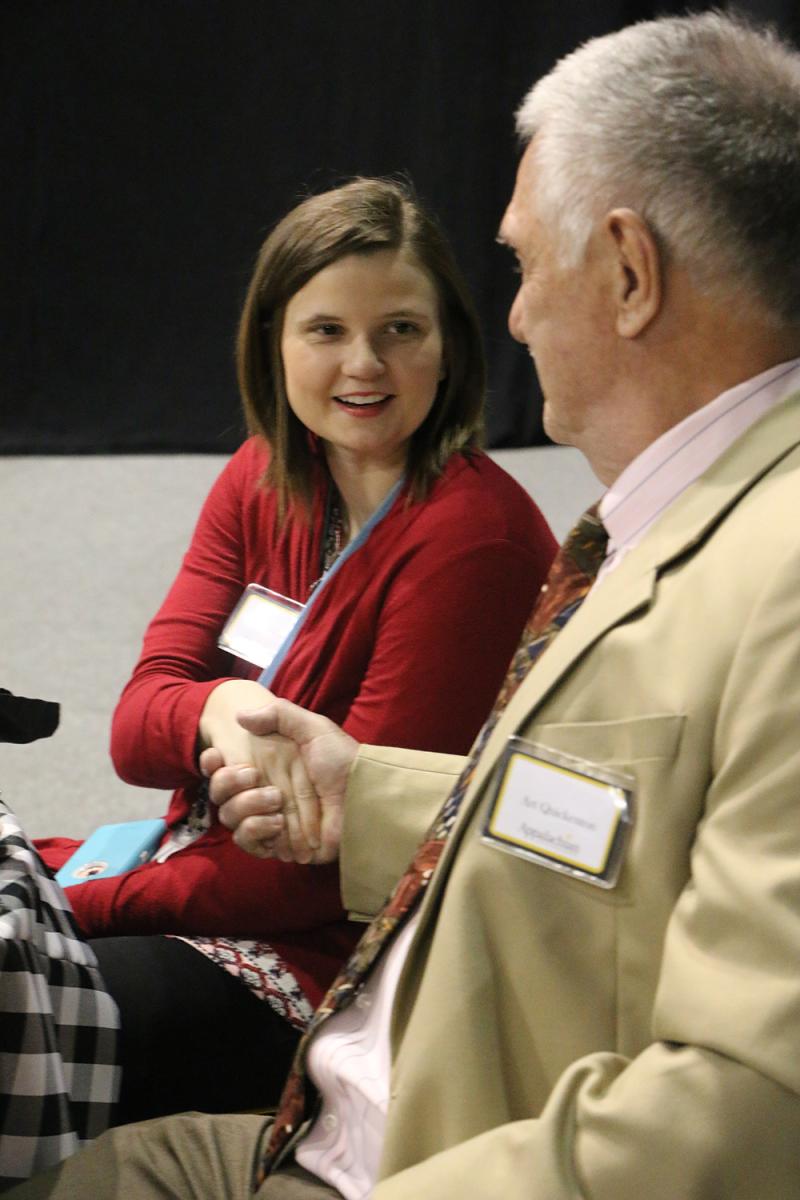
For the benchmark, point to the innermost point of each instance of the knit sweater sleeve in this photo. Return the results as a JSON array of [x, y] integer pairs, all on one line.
[[154, 729]]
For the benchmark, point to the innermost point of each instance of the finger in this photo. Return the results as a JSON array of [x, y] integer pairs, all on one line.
[[330, 834], [260, 721], [210, 761], [282, 849], [281, 716], [258, 835], [227, 781], [298, 849], [258, 802], [307, 803]]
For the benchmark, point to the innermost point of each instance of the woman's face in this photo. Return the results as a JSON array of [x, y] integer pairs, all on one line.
[[362, 352]]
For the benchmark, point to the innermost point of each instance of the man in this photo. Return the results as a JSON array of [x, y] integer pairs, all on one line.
[[597, 995]]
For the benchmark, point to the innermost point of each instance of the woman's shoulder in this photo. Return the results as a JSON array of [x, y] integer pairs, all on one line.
[[239, 497], [251, 459], [244, 472], [475, 492], [481, 471]]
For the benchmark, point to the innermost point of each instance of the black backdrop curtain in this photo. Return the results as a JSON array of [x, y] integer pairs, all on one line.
[[149, 144]]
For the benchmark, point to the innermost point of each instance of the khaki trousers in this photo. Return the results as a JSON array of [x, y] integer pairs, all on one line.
[[194, 1156]]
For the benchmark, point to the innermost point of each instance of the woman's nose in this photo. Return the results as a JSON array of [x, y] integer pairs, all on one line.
[[363, 358]]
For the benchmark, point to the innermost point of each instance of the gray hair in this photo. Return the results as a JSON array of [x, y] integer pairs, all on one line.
[[693, 122]]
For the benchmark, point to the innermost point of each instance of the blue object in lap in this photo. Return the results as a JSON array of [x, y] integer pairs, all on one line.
[[112, 849]]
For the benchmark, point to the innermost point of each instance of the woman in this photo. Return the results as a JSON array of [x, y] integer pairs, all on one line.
[[362, 497]]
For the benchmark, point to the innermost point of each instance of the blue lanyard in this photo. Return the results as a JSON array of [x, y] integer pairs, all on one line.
[[268, 674]]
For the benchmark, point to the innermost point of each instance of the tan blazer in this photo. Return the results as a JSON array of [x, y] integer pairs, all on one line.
[[551, 1040]]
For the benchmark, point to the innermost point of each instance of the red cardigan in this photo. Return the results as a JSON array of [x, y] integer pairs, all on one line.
[[407, 647]]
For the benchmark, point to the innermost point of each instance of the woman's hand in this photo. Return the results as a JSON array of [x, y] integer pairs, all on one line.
[[265, 767], [326, 753]]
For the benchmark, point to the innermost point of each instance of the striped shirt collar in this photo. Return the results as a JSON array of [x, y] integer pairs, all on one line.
[[667, 467]]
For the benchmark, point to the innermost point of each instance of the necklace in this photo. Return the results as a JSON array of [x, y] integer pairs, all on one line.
[[334, 536]]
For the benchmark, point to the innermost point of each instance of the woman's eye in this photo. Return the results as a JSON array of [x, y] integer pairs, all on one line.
[[327, 329], [403, 328]]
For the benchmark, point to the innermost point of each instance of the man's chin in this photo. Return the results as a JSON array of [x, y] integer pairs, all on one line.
[[554, 430]]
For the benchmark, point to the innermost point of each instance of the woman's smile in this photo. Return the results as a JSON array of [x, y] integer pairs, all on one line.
[[364, 404]]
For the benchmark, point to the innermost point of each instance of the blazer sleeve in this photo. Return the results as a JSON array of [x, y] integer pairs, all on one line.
[[711, 1108], [392, 798]]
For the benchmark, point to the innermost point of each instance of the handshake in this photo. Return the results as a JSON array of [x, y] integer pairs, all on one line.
[[285, 798]]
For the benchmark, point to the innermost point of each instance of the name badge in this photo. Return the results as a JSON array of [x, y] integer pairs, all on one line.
[[259, 625], [561, 812]]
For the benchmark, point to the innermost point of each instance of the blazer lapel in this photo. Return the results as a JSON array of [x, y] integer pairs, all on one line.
[[632, 585], [623, 593]]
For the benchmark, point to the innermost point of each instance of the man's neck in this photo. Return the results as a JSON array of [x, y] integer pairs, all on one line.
[[679, 370]]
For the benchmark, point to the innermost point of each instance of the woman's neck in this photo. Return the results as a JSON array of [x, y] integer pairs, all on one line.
[[362, 489]]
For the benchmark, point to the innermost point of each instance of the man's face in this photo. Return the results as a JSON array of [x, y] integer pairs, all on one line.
[[559, 314]]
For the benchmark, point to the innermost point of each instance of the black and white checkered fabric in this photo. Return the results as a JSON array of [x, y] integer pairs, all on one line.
[[58, 1026]]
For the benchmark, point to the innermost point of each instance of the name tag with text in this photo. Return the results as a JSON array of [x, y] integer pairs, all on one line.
[[561, 812]]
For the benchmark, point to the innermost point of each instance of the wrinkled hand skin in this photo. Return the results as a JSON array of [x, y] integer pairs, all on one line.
[[277, 766], [297, 817]]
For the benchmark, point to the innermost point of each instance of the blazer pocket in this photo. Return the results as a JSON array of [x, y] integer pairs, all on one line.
[[644, 747], [627, 741]]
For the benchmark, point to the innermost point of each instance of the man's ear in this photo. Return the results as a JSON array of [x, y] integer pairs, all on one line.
[[638, 271]]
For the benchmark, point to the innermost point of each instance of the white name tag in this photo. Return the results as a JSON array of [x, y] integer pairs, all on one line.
[[561, 812], [259, 625]]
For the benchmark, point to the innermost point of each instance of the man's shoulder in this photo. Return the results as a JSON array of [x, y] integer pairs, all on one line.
[[748, 494]]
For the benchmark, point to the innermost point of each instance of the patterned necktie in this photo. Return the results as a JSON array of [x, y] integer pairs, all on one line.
[[569, 580]]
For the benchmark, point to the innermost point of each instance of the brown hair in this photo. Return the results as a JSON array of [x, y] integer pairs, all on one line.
[[360, 217]]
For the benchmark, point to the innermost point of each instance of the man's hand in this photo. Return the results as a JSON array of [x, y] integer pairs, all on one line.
[[278, 796], [276, 767], [323, 755]]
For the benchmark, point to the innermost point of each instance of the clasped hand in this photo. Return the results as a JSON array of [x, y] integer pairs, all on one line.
[[291, 806]]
